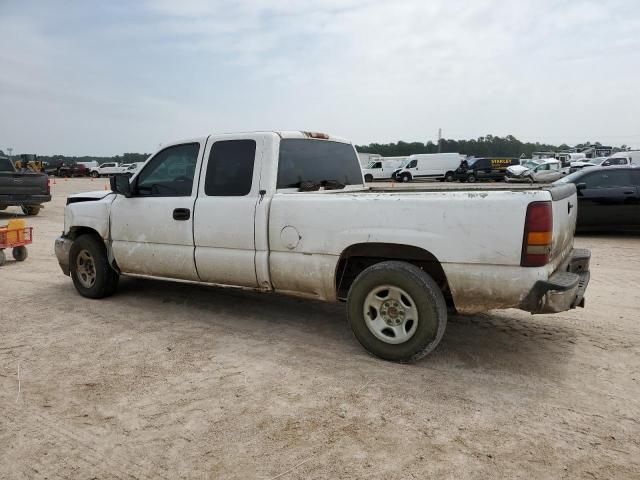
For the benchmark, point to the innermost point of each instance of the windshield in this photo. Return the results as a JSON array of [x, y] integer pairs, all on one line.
[[571, 177], [6, 165], [317, 161], [531, 164]]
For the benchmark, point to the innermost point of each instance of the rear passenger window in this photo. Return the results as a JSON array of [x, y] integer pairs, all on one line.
[[230, 168], [608, 179]]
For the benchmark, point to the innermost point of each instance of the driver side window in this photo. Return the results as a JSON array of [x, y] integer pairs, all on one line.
[[170, 173]]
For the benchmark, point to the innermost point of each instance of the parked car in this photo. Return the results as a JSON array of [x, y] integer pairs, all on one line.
[[106, 169], [70, 169], [28, 190], [131, 168], [481, 169], [608, 197], [439, 166], [289, 212], [381, 169], [601, 162], [536, 171]]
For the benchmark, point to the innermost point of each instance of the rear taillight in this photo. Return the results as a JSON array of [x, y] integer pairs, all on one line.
[[538, 235], [48, 186]]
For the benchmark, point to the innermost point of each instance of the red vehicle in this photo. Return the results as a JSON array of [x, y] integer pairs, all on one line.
[[72, 170]]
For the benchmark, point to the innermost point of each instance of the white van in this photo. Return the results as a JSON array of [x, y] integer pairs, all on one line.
[[440, 166], [382, 168], [632, 155]]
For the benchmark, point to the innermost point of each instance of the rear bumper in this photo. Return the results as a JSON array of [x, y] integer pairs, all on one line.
[[564, 290], [62, 248], [15, 200]]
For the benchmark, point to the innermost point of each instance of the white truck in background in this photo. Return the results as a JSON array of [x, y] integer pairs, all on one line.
[[289, 212], [106, 169], [383, 168], [438, 166]]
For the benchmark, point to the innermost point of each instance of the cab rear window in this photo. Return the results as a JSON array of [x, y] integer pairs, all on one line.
[[317, 161]]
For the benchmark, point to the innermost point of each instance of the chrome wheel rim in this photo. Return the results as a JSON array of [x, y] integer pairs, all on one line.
[[390, 314], [85, 269]]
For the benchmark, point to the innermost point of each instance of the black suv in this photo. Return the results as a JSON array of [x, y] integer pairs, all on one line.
[[479, 169]]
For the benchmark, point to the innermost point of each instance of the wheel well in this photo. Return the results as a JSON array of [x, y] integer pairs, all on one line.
[[357, 258], [75, 232]]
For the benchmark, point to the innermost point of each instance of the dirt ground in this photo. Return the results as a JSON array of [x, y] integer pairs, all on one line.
[[174, 381]]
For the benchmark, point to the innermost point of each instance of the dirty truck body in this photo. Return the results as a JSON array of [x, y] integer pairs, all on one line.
[[288, 212]]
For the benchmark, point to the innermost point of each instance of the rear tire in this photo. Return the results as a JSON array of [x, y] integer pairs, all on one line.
[[3, 258], [449, 177], [471, 178], [20, 254], [396, 311], [89, 266], [30, 210]]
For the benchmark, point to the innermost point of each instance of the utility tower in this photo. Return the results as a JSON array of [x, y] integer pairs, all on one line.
[[439, 138]]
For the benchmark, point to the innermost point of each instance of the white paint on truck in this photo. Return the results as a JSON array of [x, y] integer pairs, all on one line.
[[289, 212]]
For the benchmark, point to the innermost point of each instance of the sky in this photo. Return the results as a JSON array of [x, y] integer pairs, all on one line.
[[103, 78]]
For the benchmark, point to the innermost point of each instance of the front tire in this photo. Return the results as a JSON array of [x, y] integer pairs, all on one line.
[[94, 174], [471, 178], [91, 273], [397, 311], [405, 177], [368, 178]]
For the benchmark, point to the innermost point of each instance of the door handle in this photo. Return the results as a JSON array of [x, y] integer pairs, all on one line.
[[181, 214]]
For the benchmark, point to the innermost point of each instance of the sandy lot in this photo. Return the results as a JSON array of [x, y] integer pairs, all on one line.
[[174, 381]]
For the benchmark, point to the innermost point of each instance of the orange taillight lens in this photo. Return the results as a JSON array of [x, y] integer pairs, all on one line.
[[538, 235]]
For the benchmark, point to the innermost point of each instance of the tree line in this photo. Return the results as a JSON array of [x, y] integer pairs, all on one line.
[[487, 146]]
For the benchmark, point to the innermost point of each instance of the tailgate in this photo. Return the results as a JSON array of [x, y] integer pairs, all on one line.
[[19, 184], [565, 213]]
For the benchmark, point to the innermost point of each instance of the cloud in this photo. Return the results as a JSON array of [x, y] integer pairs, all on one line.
[[368, 70]]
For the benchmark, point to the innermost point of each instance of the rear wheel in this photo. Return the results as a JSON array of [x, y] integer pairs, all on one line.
[[397, 311], [92, 275], [471, 178], [31, 210], [449, 177], [20, 253], [3, 258]]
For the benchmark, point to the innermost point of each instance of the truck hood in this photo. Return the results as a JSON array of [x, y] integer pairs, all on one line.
[[95, 195], [517, 170], [88, 196]]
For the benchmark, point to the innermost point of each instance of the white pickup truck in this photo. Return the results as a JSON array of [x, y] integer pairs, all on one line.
[[289, 212], [109, 168]]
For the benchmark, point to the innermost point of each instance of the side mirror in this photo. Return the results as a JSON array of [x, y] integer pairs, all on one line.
[[120, 184], [606, 164], [581, 186]]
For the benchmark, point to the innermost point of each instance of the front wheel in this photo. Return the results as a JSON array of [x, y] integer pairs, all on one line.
[[471, 178], [368, 178], [94, 174], [405, 177], [397, 311], [91, 273]]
